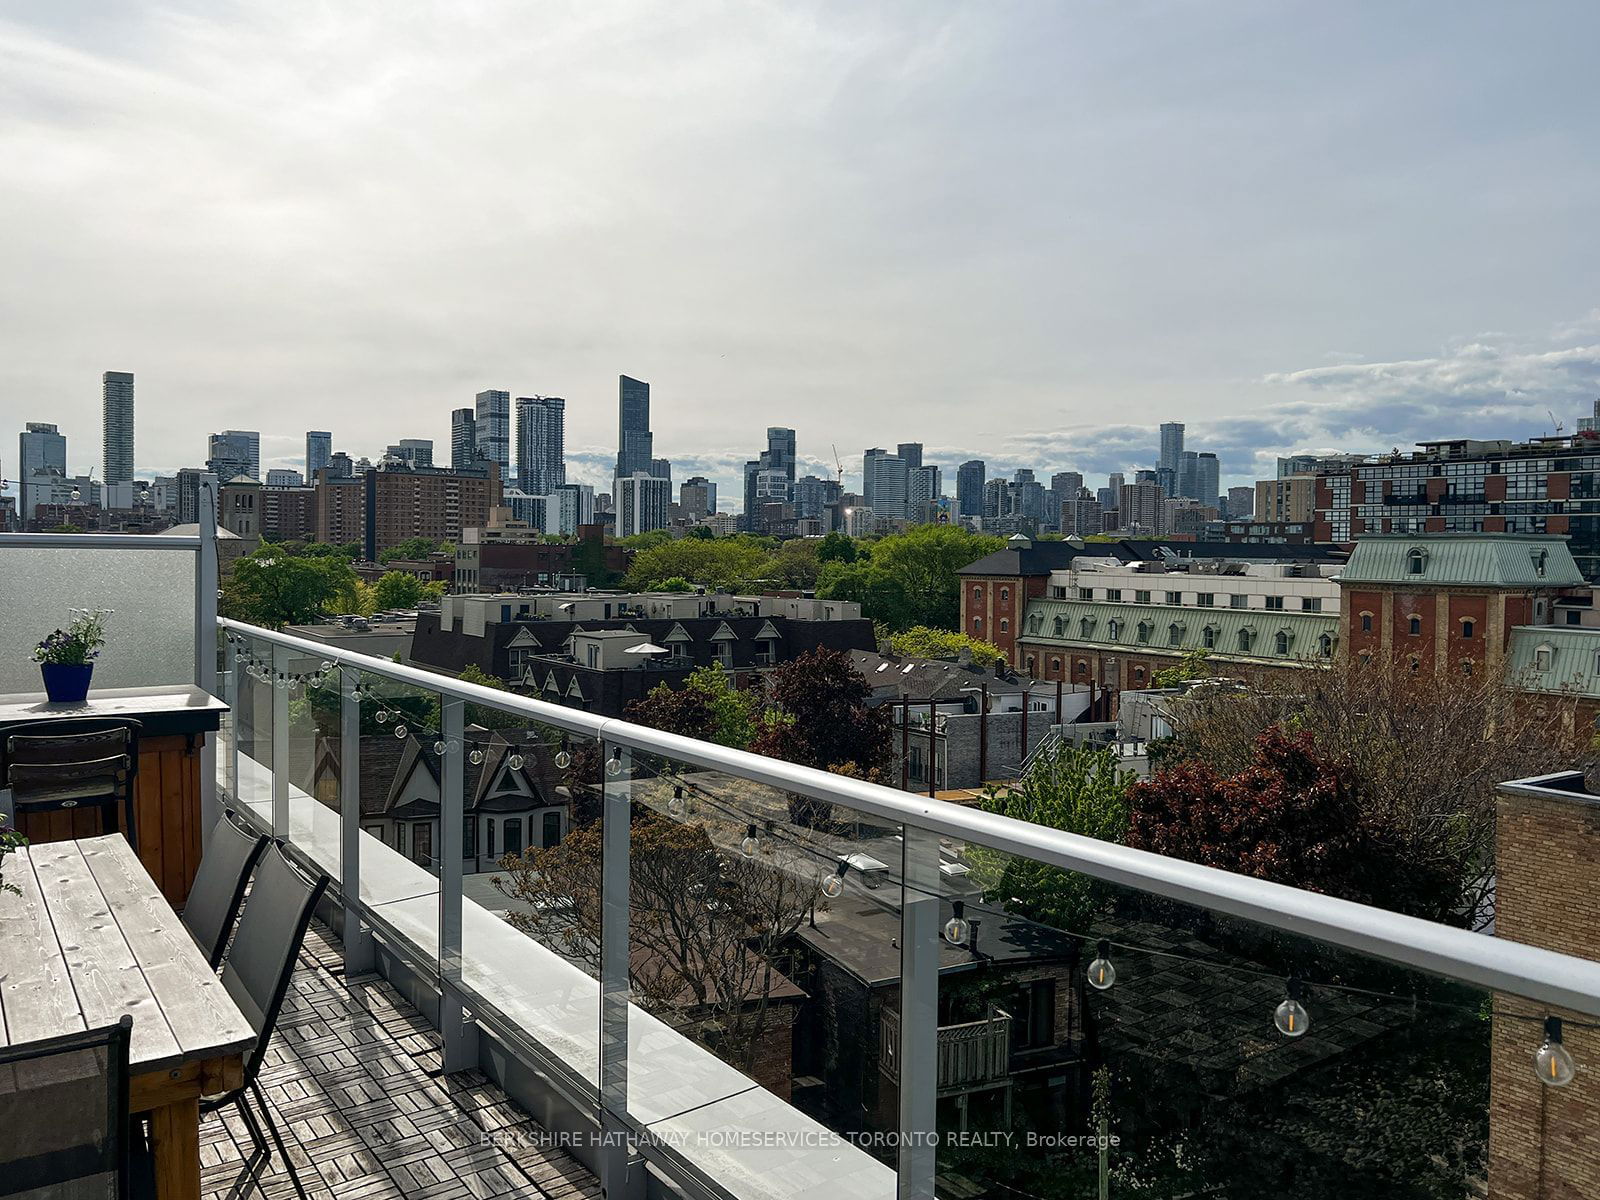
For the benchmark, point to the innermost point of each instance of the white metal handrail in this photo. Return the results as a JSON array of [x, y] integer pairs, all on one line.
[[1485, 961]]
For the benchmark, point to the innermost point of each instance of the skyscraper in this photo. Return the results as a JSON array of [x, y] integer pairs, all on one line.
[[643, 502], [911, 453], [769, 478], [970, 477], [413, 452], [885, 482], [117, 393], [319, 448], [1188, 482], [463, 438], [813, 494], [250, 440], [491, 428], [1208, 478], [635, 445], [1171, 445], [228, 455], [697, 497], [541, 444], [42, 449]]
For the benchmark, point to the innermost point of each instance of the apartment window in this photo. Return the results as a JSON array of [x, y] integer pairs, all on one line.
[[1085, 593], [1245, 638], [1574, 617], [977, 592], [1414, 625], [1466, 629], [1114, 629], [1325, 646], [1113, 593], [1416, 561], [1311, 604], [1205, 599], [1005, 594], [1174, 597], [1540, 558], [1274, 603], [1281, 642], [1208, 637], [1174, 634], [1055, 665], [1366, 622], [977, 624], [725, 652], [1238, 601], [767, 651], [1060, 626], [1144, 631], [1005, 625], [1085, 627], [1141, 597]]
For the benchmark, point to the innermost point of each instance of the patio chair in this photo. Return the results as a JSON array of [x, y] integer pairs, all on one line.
[[229, 856], [75, 762], [64, 1116], [257, 972]]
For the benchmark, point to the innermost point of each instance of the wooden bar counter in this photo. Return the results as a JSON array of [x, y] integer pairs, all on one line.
[[176, 721]]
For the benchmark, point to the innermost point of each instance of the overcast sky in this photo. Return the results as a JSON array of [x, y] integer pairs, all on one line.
[[1026, 232]]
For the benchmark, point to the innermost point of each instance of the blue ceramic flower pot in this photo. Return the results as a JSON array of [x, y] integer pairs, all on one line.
[[66, 683]]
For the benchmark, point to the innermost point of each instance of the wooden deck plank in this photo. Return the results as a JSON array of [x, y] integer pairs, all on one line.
[[36, 995], [203, 1019], [104, 973]]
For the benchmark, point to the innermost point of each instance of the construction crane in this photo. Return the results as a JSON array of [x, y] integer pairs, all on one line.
[[838, 465], [1559, 427]]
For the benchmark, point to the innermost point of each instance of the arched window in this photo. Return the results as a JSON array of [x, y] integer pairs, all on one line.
[[1005, 625], [1138, 674], [1416, 560], [1415, 626], [977, 624], [1055, 665], [1005, 594], [1114, 629], [1245, 638], [1029, 662], [1034, 622], [1208, 637], [1144, 631], [1281, 642], [1061, 626], [1325, 646], [1467, 628], [1540, 559], [1085, 627], [1174, 634], [977, 592], [1366, 622], [1083, 667]]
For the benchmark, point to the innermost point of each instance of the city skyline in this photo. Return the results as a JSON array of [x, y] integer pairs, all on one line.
[[1055, 305]]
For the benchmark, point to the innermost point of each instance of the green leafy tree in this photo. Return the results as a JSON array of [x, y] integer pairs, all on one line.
[[726, 563], [648, 540], [1077, 789], [795, 563], [417, 547], [708, 707], [676, 584], [910, 578], [837, 547], [882, 597], [396, 589], [821, 716], [270, 588], [1191, 666], [921, 642]]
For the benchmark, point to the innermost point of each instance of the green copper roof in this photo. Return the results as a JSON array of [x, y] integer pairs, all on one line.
[[1160, 627], [1499, 559], [1570, 664]]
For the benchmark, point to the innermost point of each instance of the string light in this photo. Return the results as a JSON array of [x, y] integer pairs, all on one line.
[[439, 747], [383, 716], [1290, 1017], [515, 762], [400, 731], [1552, 1063], [614, 763], [676, 806], [957, 929], [563, 756], [476, 757], [751, 842], [833, 883], [1101, 972]]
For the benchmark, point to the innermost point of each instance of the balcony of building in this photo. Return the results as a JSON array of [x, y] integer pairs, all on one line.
[[694, 991]]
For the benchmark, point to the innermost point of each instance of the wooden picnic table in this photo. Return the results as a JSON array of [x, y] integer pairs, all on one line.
[[91, 938]]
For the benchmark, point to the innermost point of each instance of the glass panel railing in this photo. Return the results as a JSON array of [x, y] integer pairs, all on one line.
[[251, 765], [150, 594], [764, 936], [1095, 1037]]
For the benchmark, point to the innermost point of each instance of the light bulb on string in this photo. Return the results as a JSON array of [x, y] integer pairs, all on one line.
[[675, 806], [1553, 1063], [751, 842], [563, 756], [515, 762], [833, 882], [957, 929], [614, 763], [281, 683], [476, 757], [1291, 1017], [383, 716], [439, 748], [1102, 974], [327, 665], [400, 731]]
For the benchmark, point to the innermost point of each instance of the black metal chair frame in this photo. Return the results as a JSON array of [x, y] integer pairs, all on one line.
[[215, 953], [269, 1021], [116, 1038], [69, 725]]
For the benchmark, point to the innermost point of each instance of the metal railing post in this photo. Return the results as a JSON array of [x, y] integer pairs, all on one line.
[[459, 1034], [616, 822], [230, 694], [206, 581], [919, 1014], [279, 694], [359, 953]]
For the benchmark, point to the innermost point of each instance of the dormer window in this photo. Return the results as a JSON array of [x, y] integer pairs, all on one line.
[[1416, 561], [1325, 645], [1281, 642], [1540, 558], [1114, 629], [1208, 637], [1060, 626], [1542, 658], [1245, 638], [1174, 634]]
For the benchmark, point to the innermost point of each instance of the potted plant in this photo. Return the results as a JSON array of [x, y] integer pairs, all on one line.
[[10, 842], [66, 657]]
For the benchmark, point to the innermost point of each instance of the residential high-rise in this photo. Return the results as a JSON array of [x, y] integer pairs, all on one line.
[[463, 438], [431, 502], [1115, 480], [1188, 481], [319, 448], [228, 455], [970, 477], [885, 483], [1241, 503], [491, 429], [1208, 478], [910, 453], [813, 495], [1067, 484], [190, 481], [1143, 508], [1171, 446], [339, 465], [769, 478], [568, 507], [635, 445], [698, 498], [924, 485], [283, 477], [251, 441], [541, 444], [643, 503], [1080, 515], [42, 449], [413, 452], [117, 401]]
